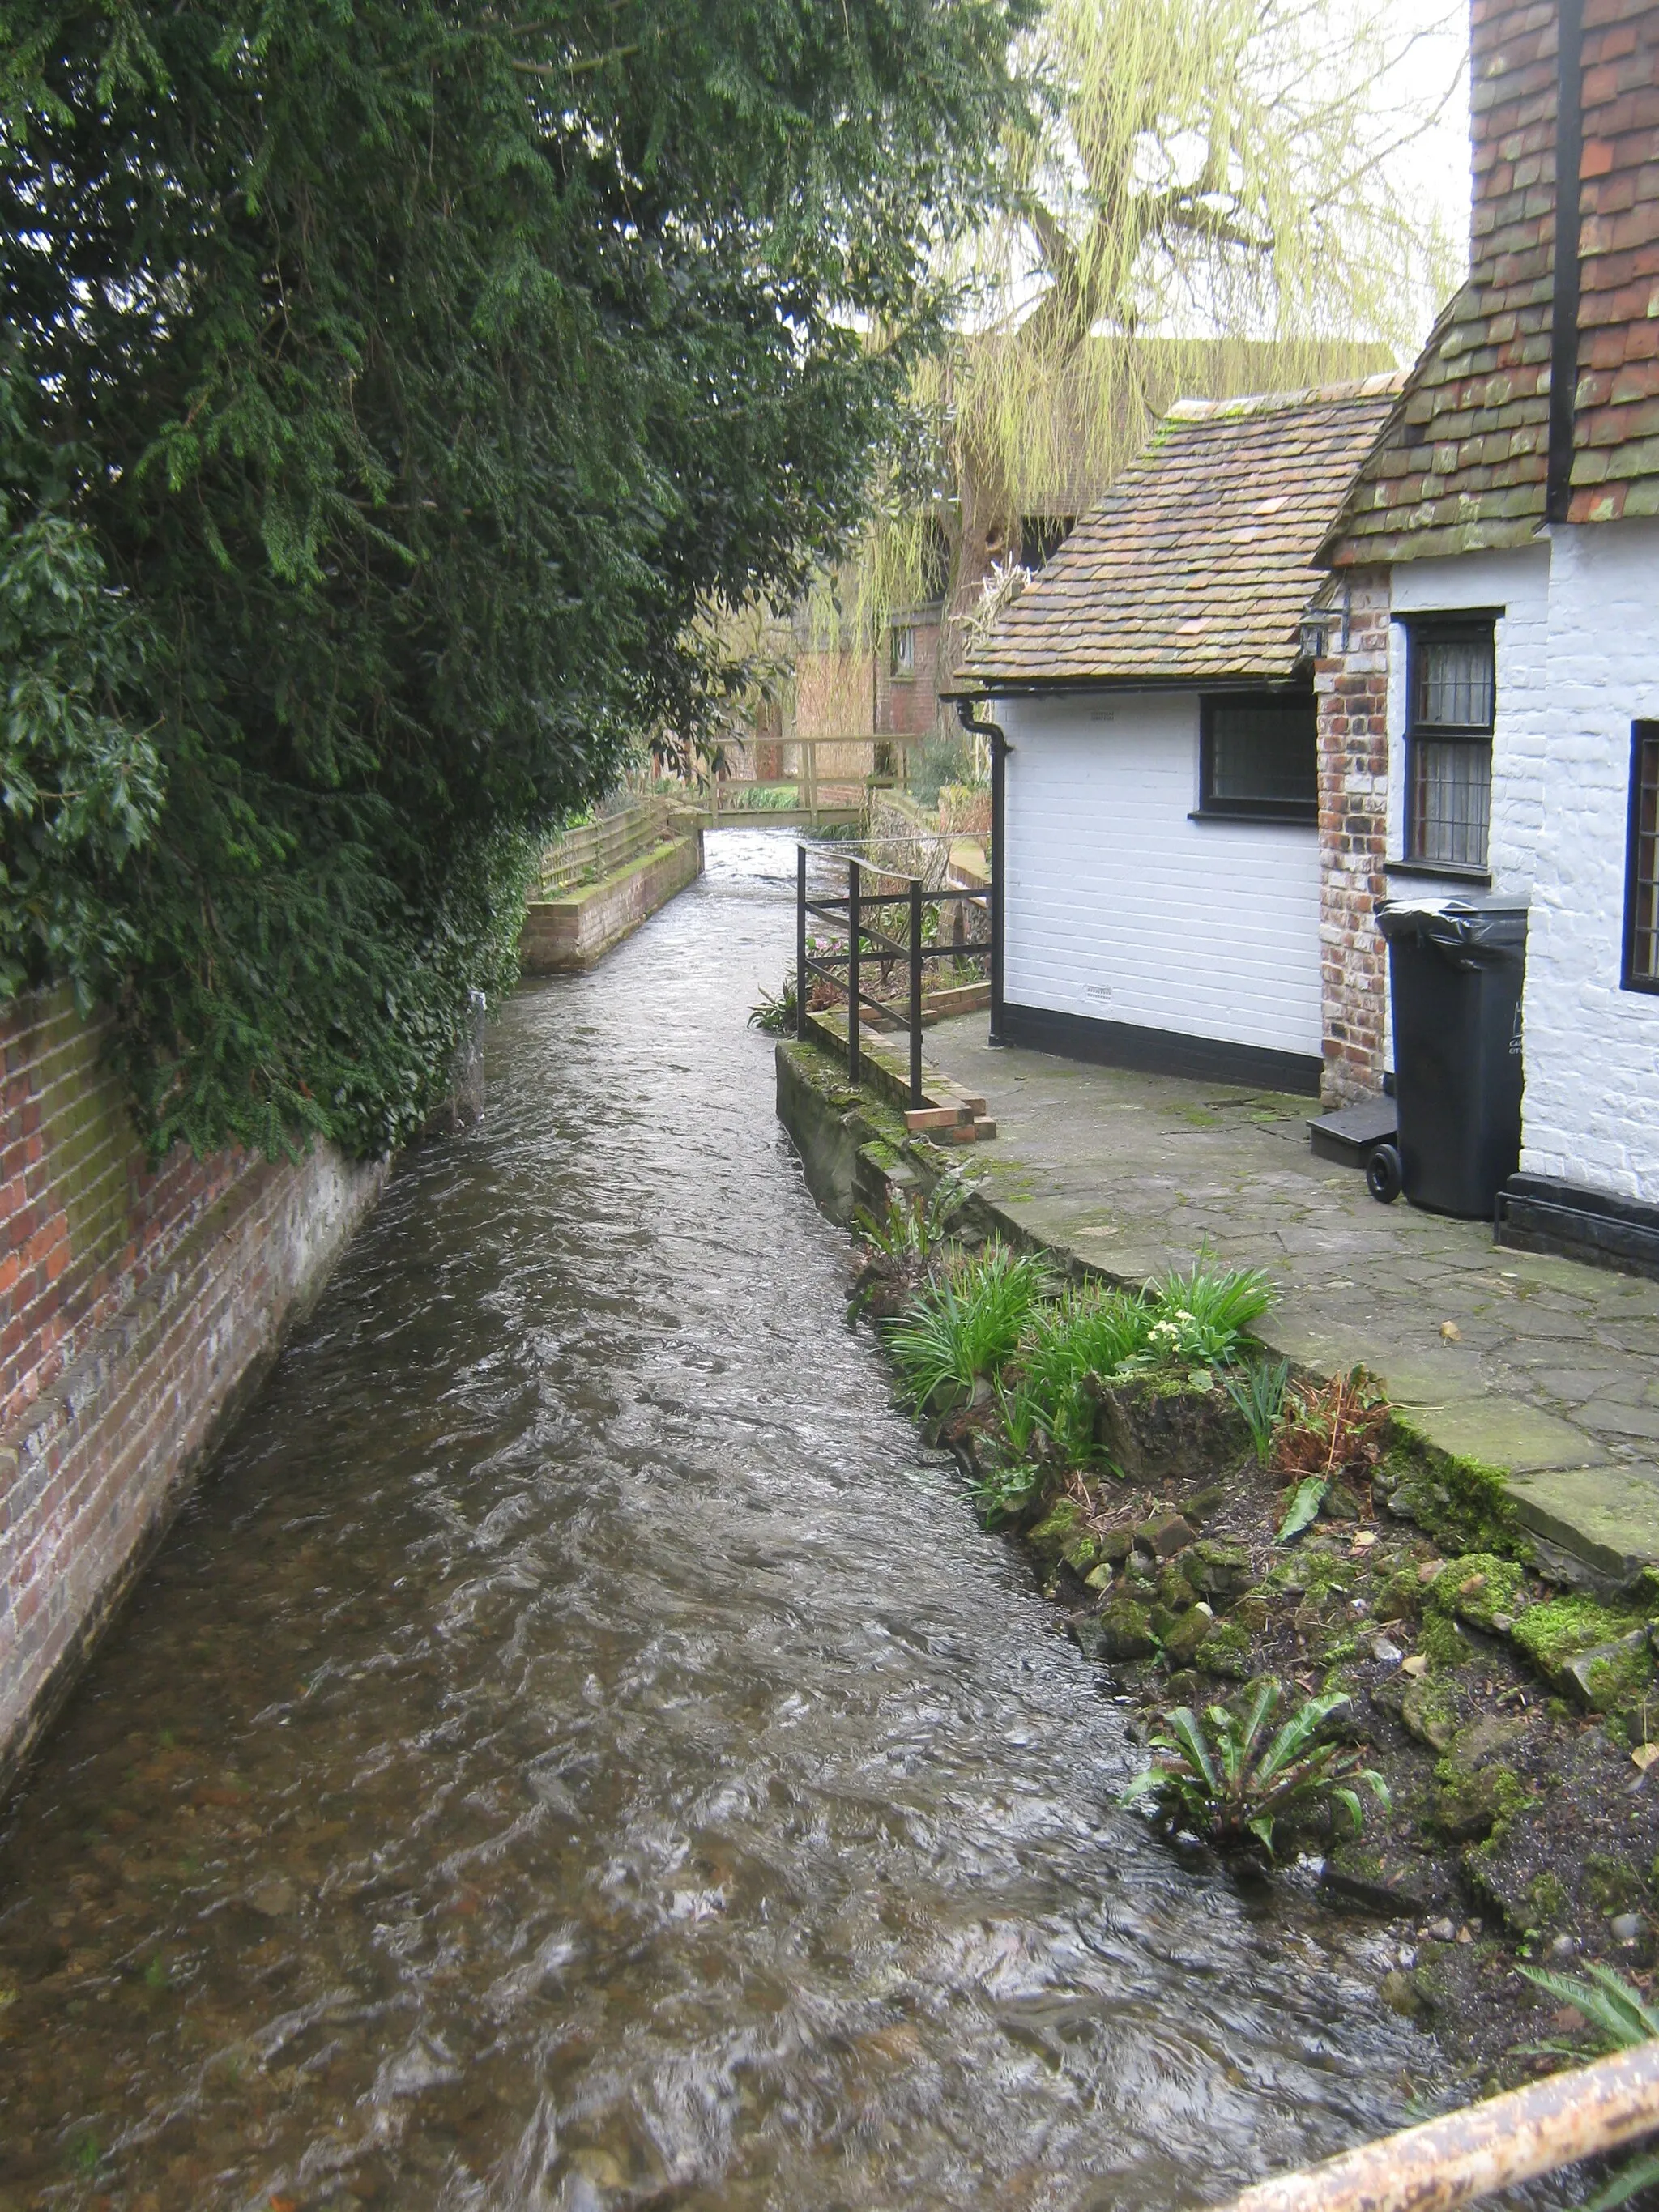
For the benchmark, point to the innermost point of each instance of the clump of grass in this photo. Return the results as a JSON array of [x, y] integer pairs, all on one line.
[[913, 1229], [965, 1324], [1232, 1779], [1089, 1332], [1331, 1428], [1200, 1317], [1258, 1391]]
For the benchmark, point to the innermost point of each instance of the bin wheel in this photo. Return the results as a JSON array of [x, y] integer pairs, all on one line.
[[1383, 1176]]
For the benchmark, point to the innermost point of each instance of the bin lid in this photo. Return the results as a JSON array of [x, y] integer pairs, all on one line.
[[1457, 923]]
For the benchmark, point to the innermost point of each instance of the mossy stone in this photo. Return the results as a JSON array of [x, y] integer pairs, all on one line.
[[1467, 1806], [1429, 1711], [1226, 1651], [1558, 1631], [1176, 1590], [1057, 1527], [1180, 1633], [1219, 1569], [1124, 1629], [1080, 1552], [1480, 1588], [1612, 1677]]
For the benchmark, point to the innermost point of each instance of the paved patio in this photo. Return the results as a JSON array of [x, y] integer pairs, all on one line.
[[1545, 1368]]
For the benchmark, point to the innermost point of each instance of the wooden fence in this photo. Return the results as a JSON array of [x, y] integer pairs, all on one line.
[[599, 849]]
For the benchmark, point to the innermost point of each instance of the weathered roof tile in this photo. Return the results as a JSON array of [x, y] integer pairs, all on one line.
[[1199, 562]]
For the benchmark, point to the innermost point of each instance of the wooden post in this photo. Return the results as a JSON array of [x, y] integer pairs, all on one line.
[[1463, 2156]]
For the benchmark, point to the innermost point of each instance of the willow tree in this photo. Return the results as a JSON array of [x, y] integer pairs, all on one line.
[[1218, 194]]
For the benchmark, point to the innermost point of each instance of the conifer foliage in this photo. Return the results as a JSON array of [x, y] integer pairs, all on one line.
[[387, 386]]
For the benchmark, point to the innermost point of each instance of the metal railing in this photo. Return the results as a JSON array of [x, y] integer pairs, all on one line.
[[869, 940]]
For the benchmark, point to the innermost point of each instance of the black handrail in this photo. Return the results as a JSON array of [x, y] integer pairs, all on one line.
[[828, 965]]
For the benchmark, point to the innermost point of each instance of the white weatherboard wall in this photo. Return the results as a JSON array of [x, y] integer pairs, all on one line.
[[1590, 1116], [1120, 909]]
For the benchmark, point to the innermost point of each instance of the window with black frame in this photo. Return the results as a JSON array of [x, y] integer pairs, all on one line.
[[1259, 758], [1641, 968], [1449, 744]]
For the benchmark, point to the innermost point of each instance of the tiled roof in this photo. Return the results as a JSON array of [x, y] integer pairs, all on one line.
[[1615, 462], [1463, 462], [1199, 562]]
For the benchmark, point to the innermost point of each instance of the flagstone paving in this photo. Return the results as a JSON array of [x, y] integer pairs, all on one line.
[[1539, 1365]]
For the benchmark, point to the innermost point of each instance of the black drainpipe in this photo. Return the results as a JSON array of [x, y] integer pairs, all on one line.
[[1563, 312], [999, 751]]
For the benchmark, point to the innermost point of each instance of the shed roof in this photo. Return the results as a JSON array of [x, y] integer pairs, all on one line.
[[1198, 564]]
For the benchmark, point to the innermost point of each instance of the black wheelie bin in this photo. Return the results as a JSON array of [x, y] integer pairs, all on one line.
[[1455, 967]]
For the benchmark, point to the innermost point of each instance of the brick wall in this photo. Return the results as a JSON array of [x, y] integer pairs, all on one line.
[[136, 1310], [908, 706], [1353, 692]]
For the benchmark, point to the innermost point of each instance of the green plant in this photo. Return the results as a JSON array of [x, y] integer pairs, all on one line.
[[1259, 1394], [1303, 1511], [777, 1015], [912, 1228], [1025, 1420], [1089, 1332], [1006, 1494], [966, 1324], [1231, 1778], [1618, 2018], [1201, 1316]]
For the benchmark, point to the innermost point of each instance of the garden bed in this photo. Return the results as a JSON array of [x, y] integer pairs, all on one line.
[[1153, 1475]]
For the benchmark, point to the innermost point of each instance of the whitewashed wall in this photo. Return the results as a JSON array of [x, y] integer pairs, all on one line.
[[1518, 582], [1591, 1111], [1120, 909]]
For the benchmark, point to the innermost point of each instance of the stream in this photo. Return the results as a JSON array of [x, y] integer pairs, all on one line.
[[576, 1749]]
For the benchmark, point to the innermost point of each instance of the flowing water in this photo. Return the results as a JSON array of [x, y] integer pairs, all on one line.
[[577, 1750]]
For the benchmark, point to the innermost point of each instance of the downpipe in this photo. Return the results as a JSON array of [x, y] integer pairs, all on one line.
[[982, 726]]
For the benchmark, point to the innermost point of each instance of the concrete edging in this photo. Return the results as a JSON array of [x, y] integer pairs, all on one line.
[[1498, 1465]]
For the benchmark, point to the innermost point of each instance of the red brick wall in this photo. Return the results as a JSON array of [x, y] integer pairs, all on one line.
[[135, 1309], [1616, 458], [1353, 693], [909, 705], [82, 1221]]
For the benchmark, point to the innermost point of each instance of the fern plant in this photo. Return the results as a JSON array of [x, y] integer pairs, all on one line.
[[1619, 2019], [1231, 1777]]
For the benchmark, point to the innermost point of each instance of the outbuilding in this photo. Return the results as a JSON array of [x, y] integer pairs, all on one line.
[[1155, 750]]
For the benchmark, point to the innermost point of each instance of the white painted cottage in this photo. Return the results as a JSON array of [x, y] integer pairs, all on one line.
[[1490, 696], [1154, 751]]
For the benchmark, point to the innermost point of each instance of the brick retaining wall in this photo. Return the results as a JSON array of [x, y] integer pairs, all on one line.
[[137, 1311]]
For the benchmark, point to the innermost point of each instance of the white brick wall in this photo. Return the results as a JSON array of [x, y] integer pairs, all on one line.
[[1518, 582], [1591, 1112], [1121, 908]]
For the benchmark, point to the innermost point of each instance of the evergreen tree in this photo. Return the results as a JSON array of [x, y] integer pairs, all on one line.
[[388, 388]]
